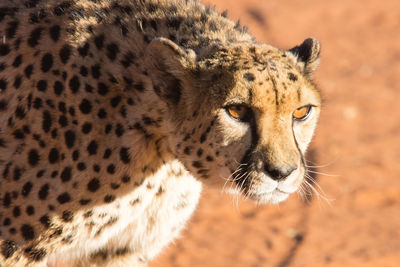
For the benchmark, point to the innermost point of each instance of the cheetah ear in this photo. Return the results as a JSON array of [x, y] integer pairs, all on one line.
[[306, 55], [168, 64]]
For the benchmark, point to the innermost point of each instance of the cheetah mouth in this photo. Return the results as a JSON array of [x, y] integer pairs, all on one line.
[[276, 196], [263, 189]]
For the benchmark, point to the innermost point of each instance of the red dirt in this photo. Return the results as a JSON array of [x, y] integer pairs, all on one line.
[[358, 139]]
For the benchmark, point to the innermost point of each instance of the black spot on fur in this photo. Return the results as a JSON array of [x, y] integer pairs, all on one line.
[[62, 107], [187, 150], [18, 134], [111, 169], [17, 62], [20, 112], [66, 174], [63, 121], [102, 88], [41, 85], [4, 49], [99, 41], [34, 37], [17, 81], [7, 221], [109, 198], [30, 210], [107, 153], [53, 155], [47, 62], [115, 101], [112, 51], [197, 164], [93, 185], [33, 157], [84, 201], [86, 127], [47, 121], [55, 32], [81, 166], [115, 186], [35, 254], [65, 53], [84, 50], [27, 232], [203, 138], [62, 8], [92, 148], [74, 84], [64, 198], [128, 59], [174, 22], [3, 84], [69, 137], [85, 106], [96, 71], [67, 216], [17, 174], [54, 174], [292, 77], [12, 29], [37, 16], [102, 113], [108, 128], [124, 155], [26, 189], [40, 173], [37, 103], [139, 86], [119, 130], [28, 71], [7, 200], [45, 220], [44, 192], [16, 212], [58, 88], [83, 71], [96, 168], [3, 66], [249, 76], [75, 155], [8, 248]]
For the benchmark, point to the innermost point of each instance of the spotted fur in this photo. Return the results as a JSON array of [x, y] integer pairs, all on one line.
[[113, 112]]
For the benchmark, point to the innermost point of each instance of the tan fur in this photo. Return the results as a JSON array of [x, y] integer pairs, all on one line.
[[113, 112]]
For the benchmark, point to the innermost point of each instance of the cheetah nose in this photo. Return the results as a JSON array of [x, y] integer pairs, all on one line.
[[279, 172]]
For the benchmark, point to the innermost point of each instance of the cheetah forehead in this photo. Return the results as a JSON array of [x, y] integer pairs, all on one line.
[[261, 74]]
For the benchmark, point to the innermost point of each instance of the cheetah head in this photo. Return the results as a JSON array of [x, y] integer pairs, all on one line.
[[241, 116]]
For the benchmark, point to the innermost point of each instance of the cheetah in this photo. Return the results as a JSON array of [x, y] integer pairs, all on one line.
[[113, 113]]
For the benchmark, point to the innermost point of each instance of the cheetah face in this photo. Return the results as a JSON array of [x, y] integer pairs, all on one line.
[[242, 117]]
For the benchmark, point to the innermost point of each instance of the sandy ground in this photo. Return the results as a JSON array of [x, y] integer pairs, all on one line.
[[357, 149]]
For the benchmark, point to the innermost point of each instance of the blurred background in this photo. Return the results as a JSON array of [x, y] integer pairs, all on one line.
[[356, 220]]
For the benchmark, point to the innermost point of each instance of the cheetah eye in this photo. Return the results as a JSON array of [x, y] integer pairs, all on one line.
[[302, 113], [238, 112]]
